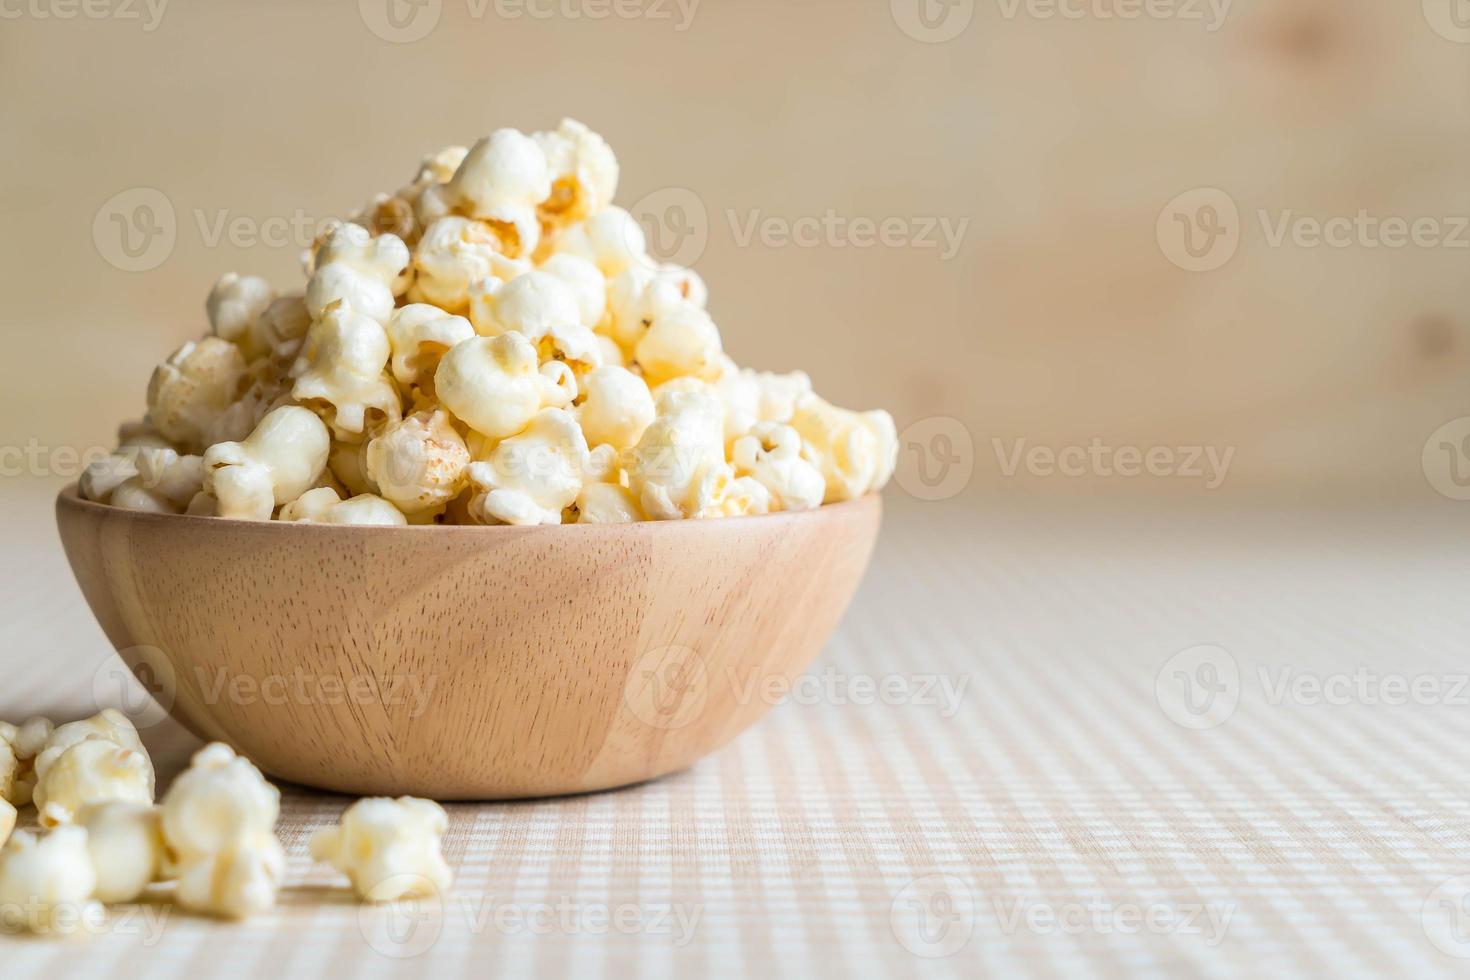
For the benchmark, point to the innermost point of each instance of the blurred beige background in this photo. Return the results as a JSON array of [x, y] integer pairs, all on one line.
[[1054, 138]]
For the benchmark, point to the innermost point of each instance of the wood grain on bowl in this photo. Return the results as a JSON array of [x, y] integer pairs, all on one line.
[[468, 662]]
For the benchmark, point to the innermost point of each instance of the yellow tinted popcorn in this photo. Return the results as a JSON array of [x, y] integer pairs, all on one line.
[[282, 459], [771, 455], [343, 371], [325, 506], [125, 843], [46, 882], [8, 816], [420, 335], [583, 169], [389, 849], [420, 463], [501, 180], [607, 503], [612, 240], [681, 342], [495, 384], [855, 452], [192, 387], [455, 253]]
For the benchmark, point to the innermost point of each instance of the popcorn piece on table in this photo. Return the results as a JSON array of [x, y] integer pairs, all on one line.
[[323, 505], [495, 384], [678, 467], [219, 821], [771, 454], [532, 477], [390, 849], [125, 841], [88, 762], [192, 387], [46, 882], [342, 370], [455, 253], [419, 464], [365, 272], [283, 458]]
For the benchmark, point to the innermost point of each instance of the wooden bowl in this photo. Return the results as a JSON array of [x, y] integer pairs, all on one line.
[[468, 662]]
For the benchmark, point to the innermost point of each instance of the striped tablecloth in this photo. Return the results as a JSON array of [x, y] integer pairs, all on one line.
[[1041, 744]]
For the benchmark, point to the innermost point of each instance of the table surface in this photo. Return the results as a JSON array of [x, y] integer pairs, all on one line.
[[1042, 743]]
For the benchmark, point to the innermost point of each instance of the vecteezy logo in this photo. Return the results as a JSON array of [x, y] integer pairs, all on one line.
[[1199, 687], [1449, 18], [408, 927], [1199, 231], [936, 458], [144, 692], [932, 21], [675, 225], [1446, 459], [667, 687], [933, 916], [400, 21], [1446, 917], [135, 230]]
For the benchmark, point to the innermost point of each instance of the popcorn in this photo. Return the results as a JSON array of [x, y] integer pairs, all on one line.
[[584, 173], [125, 843], [343, 371], [855, 452], [530, 304], [617, 408], [219, 822], [8, 816], [455, 253], [532, 477], [420, 335], [362, 271], [420, 463], [611, 239], [281, 460], [585, 280], [771, 455], [46, 882], [495, 385], [91, 761], [388, 848], [607, 503], [680, 342], [325, 506], [235, 306], [197, 383], [501, 180], [678, 467], [489, 343]]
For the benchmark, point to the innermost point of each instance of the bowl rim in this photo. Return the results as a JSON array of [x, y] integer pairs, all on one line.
[[70, 497]]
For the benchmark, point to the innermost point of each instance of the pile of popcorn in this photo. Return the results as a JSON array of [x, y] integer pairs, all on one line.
[[491, 344], [103, 840]]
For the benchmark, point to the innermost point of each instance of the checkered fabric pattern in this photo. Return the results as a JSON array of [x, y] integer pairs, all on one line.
[[1040, 745]]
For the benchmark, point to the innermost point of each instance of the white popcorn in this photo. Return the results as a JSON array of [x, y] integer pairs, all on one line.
[[532, 477], [743, 496], [758, 396], [771, 454], [125, 842], [390, 849], [93, 770], [643, 292], [607, 503], [455, 253], [342, 371], [530, 304], [165, 484], [324, 505], [362, 271], [681, 342], [219, 822], [19, 746], [584, 172], [617, 408], [283, 327], [420, 464], [678, 467], [585, 280], [8, 817], [855, 452], [194, 386], [495, 385], [235, 306], [420, 335], [282, 459], [501, 180], [46, 882], [612, 240]]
